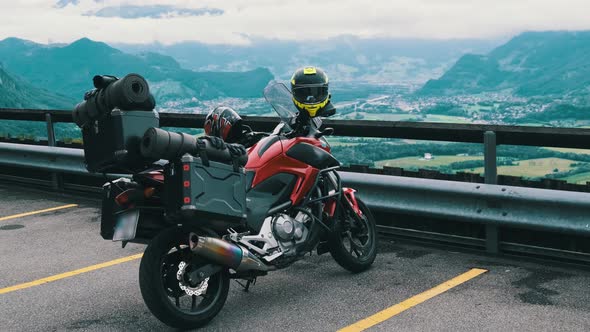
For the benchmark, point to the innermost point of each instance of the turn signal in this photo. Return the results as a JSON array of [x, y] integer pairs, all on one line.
[[149, 192], [124, 197]]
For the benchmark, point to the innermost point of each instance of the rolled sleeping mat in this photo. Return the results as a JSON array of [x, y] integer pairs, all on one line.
[[103, 105], [148, 105], [80, 114], [92, 104], [131, 93], [162, 144], [87, 111], [128, 93], [102, 81]]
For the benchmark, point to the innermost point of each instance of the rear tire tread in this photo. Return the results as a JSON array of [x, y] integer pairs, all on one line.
[[153, 292]]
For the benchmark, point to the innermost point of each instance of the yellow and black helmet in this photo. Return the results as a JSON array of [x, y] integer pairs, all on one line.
[[309, 87]]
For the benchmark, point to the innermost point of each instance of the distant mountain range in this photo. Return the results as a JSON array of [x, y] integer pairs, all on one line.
[[345, 58], [531, 64], [69, 69], [184, 74], [187, 75], [17, 93]]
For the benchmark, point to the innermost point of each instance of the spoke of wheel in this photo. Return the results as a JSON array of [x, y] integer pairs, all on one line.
[[178, 302], [351, 242], [351, 239], [357, 252], [364, 237], [194, 303], [358, 248], [178, 251]]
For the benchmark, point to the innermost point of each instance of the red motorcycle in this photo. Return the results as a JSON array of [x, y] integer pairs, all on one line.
[[294, 201]]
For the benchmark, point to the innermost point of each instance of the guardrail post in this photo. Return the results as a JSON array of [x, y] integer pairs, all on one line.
[[56, 178], [491, 177]]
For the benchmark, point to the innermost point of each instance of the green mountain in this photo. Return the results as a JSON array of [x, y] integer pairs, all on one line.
[[69, 70], [17, 93], [345, 58], [531, 64]]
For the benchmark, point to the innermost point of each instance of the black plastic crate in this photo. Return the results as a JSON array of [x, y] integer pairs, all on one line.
[[215, 192], [112, 143]]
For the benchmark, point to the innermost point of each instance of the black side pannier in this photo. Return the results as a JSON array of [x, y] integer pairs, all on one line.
[[205, 190], [112, 144], [113, 118]]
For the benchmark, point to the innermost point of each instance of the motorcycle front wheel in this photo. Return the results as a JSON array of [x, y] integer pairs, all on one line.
[[166, 291], [353, 243]]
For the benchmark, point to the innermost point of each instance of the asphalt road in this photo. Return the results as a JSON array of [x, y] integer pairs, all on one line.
[[312, 295]]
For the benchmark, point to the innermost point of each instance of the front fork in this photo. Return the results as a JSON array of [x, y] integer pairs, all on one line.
[[348, 194], [349, 200]]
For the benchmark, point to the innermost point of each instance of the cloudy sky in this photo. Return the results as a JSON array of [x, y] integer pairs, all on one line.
[[238, 21]]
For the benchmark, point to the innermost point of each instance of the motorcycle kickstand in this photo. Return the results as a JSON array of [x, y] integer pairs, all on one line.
[[248, 283]]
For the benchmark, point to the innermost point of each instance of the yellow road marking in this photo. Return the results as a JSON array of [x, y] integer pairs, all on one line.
[[69, 274], [411, 302], [38, 211]]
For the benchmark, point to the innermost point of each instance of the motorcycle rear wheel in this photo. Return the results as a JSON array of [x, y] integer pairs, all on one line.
[[161, 290], [354, 246]]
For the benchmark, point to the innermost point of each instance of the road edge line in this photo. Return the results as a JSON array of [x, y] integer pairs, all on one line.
[[413, 301]]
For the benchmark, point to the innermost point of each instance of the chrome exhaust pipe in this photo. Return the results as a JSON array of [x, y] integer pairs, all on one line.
[[225, 253]]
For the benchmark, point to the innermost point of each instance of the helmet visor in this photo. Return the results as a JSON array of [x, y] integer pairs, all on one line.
[[310, 94]]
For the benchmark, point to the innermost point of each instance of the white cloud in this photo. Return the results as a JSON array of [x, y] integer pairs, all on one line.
[[43, 21]]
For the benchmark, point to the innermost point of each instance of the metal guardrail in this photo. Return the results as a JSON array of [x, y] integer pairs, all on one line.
[[518, 207], [47, 158], [449, 132], [453, 200]]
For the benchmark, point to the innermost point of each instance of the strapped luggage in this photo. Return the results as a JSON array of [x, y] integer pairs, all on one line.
[[197, 188], [112, 144]]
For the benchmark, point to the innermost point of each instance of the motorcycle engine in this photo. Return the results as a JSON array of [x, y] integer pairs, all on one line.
[[290, 231]]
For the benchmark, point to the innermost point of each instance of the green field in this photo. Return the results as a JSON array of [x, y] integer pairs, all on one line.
[[532, 168], [569, 150], [581, 178], [348, 141], [407, 117], [382, 116], [446, 118], [420, 162], [478, 108]]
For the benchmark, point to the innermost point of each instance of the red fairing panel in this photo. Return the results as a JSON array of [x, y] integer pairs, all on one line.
[[255, 160], [274, 160]]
